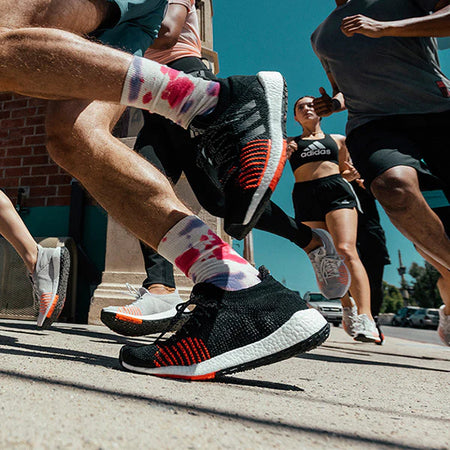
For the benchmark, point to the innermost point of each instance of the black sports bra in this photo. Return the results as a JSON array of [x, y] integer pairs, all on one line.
[[308, 150]]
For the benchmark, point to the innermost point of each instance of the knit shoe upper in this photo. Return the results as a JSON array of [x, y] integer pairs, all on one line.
[[231, 331], [332, 275], [148, 314], [50, 278], [244, 138]]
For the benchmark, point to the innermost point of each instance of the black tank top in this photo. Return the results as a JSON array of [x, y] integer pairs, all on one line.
[[308, 150]]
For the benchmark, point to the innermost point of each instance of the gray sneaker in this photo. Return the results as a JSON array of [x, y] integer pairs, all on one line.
[[444, 326], [365, 330], [49, 279], [148, 314], [332, 274], [349, 318]]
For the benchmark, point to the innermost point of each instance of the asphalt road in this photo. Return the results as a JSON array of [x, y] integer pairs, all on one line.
[[412, 334]]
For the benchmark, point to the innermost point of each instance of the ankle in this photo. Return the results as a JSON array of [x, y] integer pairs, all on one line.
[[316, 242], [160, 289], [30, 259]]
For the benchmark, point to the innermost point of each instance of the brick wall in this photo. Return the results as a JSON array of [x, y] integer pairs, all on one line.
[[24, 161]]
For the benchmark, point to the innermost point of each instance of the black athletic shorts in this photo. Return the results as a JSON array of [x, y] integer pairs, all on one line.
[[170, 148], [314, 199], [416, 140]]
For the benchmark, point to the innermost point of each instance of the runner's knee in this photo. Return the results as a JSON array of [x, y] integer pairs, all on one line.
[[395, 189]]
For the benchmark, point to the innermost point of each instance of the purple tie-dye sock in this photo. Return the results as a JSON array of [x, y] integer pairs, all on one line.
[[202, 256], [170, 93]]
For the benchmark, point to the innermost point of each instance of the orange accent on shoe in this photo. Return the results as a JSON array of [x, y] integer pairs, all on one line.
[[128, 318], [279, 171], [208, 376], [254, 160], [52, 308]]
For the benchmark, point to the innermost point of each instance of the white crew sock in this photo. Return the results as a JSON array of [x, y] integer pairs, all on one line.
[[167, 92], [202, 256]]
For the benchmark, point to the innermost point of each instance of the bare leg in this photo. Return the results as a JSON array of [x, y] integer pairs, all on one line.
[[133, 191], [342, 224], [399, 194], [16, 233], [443, 282], [53, 63]]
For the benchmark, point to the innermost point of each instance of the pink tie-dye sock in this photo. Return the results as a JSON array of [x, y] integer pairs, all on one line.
[[168, 92], [202, 256]]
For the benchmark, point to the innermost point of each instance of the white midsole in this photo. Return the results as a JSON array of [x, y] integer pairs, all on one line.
[[157, 316], [301, 326], [273, 84]]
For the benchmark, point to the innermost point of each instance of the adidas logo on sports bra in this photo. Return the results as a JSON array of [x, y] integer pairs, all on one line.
[[315, 149]]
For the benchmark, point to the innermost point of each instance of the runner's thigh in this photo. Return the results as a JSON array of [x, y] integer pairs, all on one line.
[[77, 16]]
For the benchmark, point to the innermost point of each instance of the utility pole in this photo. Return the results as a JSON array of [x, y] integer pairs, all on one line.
[[403, 283], [248, 249]]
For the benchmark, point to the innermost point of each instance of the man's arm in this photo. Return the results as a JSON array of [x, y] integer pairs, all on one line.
[[326, 105], [171, 27], [432, 25]]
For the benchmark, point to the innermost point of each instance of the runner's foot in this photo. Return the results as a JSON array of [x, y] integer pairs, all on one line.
[[50, 278], [332, 274], [244, 138], [148, 314], [232, 331]]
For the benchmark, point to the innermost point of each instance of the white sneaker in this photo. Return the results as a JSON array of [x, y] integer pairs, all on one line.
[[444, 326], [349, 318], [332, 274], [365, 330], [148, 314], [49, 279]]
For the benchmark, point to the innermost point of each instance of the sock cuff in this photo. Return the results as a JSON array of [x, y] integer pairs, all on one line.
[[170, 245]]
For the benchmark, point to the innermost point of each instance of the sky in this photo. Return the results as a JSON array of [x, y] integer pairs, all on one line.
[[254, 35]]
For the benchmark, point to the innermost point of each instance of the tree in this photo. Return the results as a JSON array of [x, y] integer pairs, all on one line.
[[424, 289], [392, 298]]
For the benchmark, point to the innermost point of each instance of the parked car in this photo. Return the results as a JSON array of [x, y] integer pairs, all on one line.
[[401, 318], [424, 317], [330, 309]]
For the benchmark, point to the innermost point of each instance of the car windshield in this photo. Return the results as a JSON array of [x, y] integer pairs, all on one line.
[[433, 313], [319, 298]]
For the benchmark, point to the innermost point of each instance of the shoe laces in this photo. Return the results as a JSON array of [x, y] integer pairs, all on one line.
[[205, 308], [136, 293], [328, 266]]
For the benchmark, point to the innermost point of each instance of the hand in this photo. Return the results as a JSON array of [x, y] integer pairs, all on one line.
[[362, 25], [324, 105], [291, 147], [350, 173]]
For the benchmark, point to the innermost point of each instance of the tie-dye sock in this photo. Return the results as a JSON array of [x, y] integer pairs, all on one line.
[[202, 256], [170, 93]]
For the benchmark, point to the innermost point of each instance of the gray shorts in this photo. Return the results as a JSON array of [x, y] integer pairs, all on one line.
[[137, 27]]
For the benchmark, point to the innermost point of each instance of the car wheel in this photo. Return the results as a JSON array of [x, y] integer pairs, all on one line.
[[336, 324]]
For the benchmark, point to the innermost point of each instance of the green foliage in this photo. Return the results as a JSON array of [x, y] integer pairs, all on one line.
[[424, 290], [392, 298]]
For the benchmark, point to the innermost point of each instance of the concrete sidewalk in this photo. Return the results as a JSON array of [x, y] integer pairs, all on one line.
[[63, 388]]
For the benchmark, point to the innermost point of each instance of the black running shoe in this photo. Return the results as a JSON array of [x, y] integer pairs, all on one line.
[[230, 332], [244, 138]]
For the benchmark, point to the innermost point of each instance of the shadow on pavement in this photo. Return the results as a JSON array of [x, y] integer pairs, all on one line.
[[213, 412], [347, 360], [257, 383]]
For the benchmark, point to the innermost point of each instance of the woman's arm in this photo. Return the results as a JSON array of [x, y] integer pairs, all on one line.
[[346, 167], [171, 27]]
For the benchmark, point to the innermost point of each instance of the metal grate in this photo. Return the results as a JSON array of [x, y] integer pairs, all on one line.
[[16, 292]]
